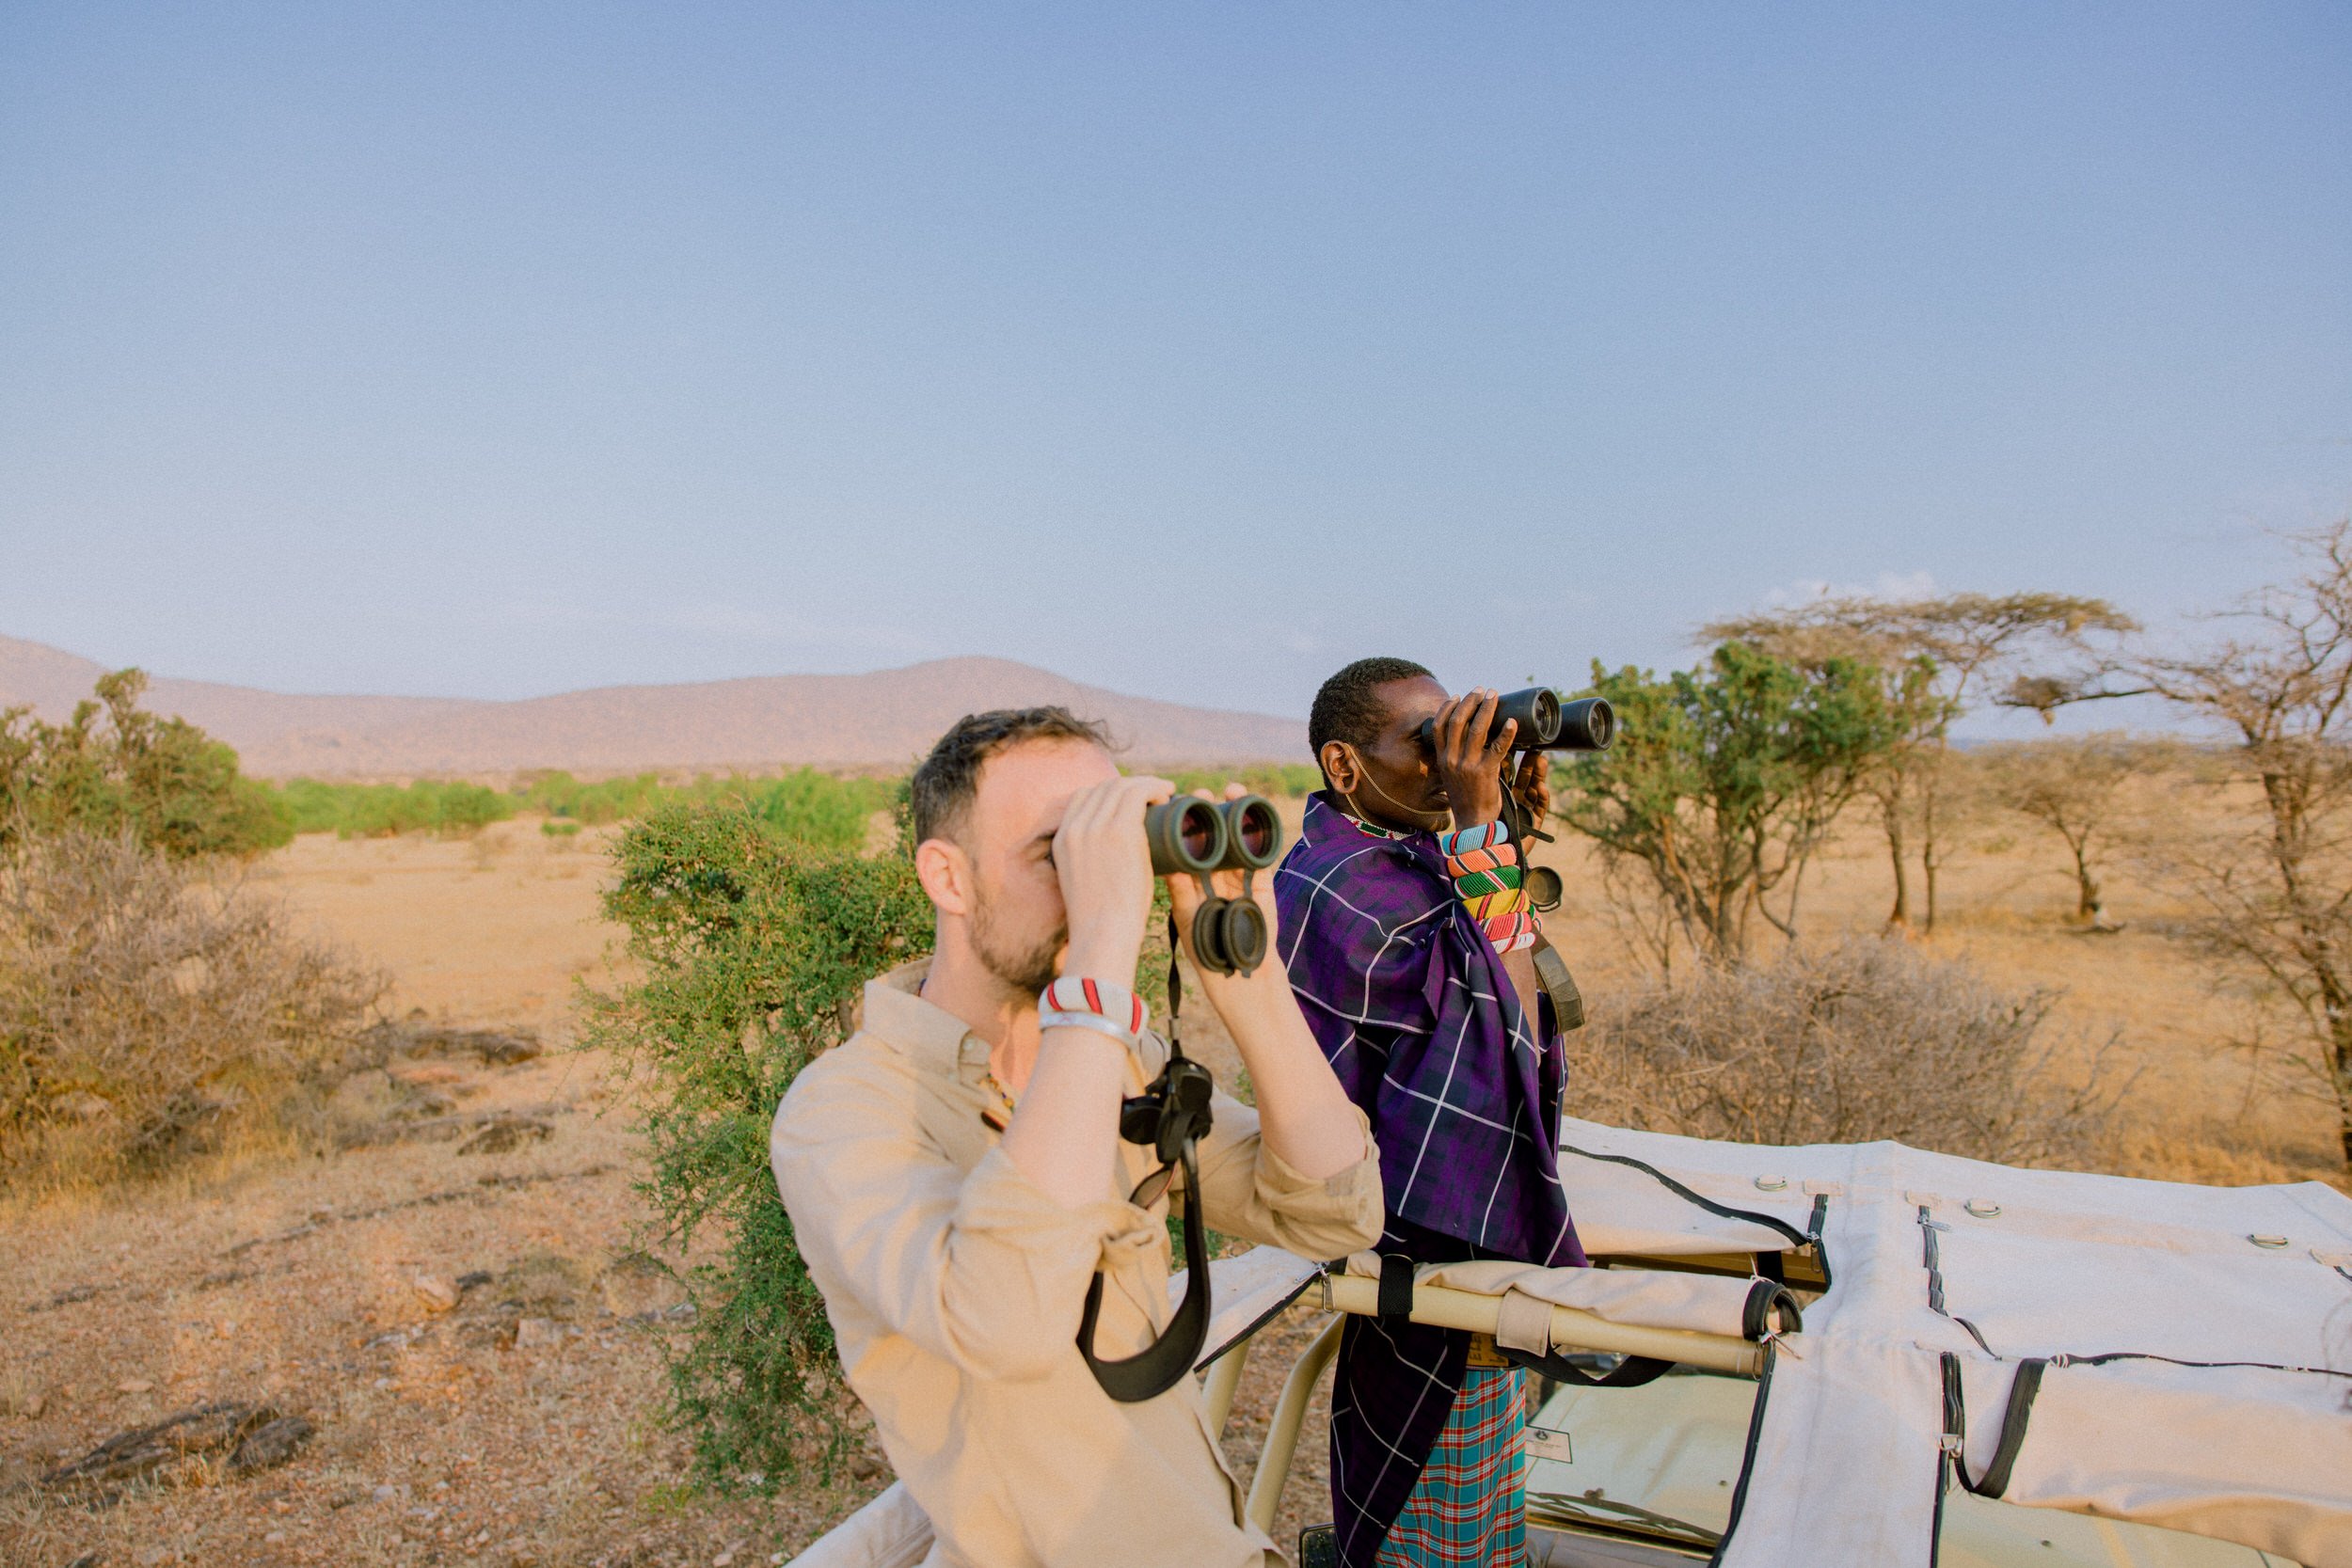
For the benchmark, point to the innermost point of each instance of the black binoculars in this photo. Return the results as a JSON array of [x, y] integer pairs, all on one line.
[[1192, 837], [1546, 724], [1549, 724]]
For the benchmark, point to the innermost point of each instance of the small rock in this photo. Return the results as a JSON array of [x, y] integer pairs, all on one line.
[[504, 1135], [34, 1406], [437, 1293], [726, 1555], [536, 1333], [274, 1536], [271, 1445], [135, 1385], [385, 1494]]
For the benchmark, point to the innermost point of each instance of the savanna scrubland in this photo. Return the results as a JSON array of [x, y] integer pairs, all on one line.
[[456, 1251]]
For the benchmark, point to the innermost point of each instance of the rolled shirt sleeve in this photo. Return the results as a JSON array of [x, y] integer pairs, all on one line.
[[983, 1270], [1247, 1190]]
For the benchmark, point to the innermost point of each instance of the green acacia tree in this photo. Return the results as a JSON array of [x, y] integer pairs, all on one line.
[[1972, 643], [754, 948], [1726, 779]]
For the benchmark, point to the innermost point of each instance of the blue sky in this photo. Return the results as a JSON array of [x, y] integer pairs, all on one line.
[[1191, 350]]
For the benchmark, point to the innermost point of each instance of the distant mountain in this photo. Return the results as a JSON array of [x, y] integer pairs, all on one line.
[[885, 718]]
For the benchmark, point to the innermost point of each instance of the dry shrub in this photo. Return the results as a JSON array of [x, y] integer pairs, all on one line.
[[147, 1013], [1867, 1038]]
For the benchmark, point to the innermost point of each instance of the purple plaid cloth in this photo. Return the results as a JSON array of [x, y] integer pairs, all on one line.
[[1411, 1003]]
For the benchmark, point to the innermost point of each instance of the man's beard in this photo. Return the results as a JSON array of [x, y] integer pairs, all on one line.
[[1023, 971]]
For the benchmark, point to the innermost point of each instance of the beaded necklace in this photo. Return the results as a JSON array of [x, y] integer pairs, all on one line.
[[988, 1075]]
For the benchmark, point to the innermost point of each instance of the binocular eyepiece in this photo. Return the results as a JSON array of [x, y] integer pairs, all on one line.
[[1192, 837], [1549, 724]]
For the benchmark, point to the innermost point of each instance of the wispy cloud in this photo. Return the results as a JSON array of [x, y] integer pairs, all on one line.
[[1887, 585]]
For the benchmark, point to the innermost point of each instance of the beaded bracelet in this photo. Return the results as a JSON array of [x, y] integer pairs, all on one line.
[[1484, 865], [1078, 1001]]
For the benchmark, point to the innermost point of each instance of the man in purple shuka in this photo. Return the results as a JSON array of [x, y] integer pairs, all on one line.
[[1410, 944]]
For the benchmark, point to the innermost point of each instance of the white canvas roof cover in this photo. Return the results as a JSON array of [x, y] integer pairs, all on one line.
[[2174, 1355], [2188, 1350]]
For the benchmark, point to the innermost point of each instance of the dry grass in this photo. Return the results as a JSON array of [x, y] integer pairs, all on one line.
[[1842, 1043], [148, 1015]]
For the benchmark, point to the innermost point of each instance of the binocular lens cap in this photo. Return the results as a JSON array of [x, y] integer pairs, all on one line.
[[1244, 935]]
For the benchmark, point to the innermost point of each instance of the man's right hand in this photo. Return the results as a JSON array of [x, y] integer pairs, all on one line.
[[1104, 864], [1470, 748]]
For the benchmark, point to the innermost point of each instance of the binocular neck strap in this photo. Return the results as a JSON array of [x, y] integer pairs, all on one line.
[[1164, 1363], [1161, 1364], [1175, 985]]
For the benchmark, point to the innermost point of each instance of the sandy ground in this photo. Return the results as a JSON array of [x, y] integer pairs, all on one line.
[[496, 928], [518, 1426], [443, 1436]]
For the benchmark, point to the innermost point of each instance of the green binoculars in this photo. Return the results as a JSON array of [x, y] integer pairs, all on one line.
[[1547, 723], [1192, 837]]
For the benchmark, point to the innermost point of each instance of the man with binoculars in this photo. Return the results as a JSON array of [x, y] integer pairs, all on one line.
[[968, 1179], [1414, 948]]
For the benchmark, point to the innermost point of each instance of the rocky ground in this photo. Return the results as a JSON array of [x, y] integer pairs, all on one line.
[[437, 1342]]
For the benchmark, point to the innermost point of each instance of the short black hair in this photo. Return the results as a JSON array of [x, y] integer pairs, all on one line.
[[944, 783], [1345, 708]]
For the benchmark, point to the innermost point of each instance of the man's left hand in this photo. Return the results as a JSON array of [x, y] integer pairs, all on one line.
[[1533, 786]]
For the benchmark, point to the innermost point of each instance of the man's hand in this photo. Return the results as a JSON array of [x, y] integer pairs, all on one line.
[[1533, 786], [1184, 900], [1105, 865], [1303, 1114], [1470, 748]]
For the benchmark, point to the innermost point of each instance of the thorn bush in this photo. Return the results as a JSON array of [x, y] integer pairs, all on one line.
[[753, 949], [114, 768], [1844, 1042], [148, 1009]]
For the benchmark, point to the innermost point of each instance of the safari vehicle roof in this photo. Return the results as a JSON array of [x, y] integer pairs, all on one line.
[[2154, 1351], [2149, 1350]]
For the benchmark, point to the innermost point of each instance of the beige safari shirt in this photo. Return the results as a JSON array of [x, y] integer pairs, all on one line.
[[955, 1285]]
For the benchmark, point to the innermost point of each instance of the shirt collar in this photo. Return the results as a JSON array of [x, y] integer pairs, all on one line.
[[936, 1039]]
